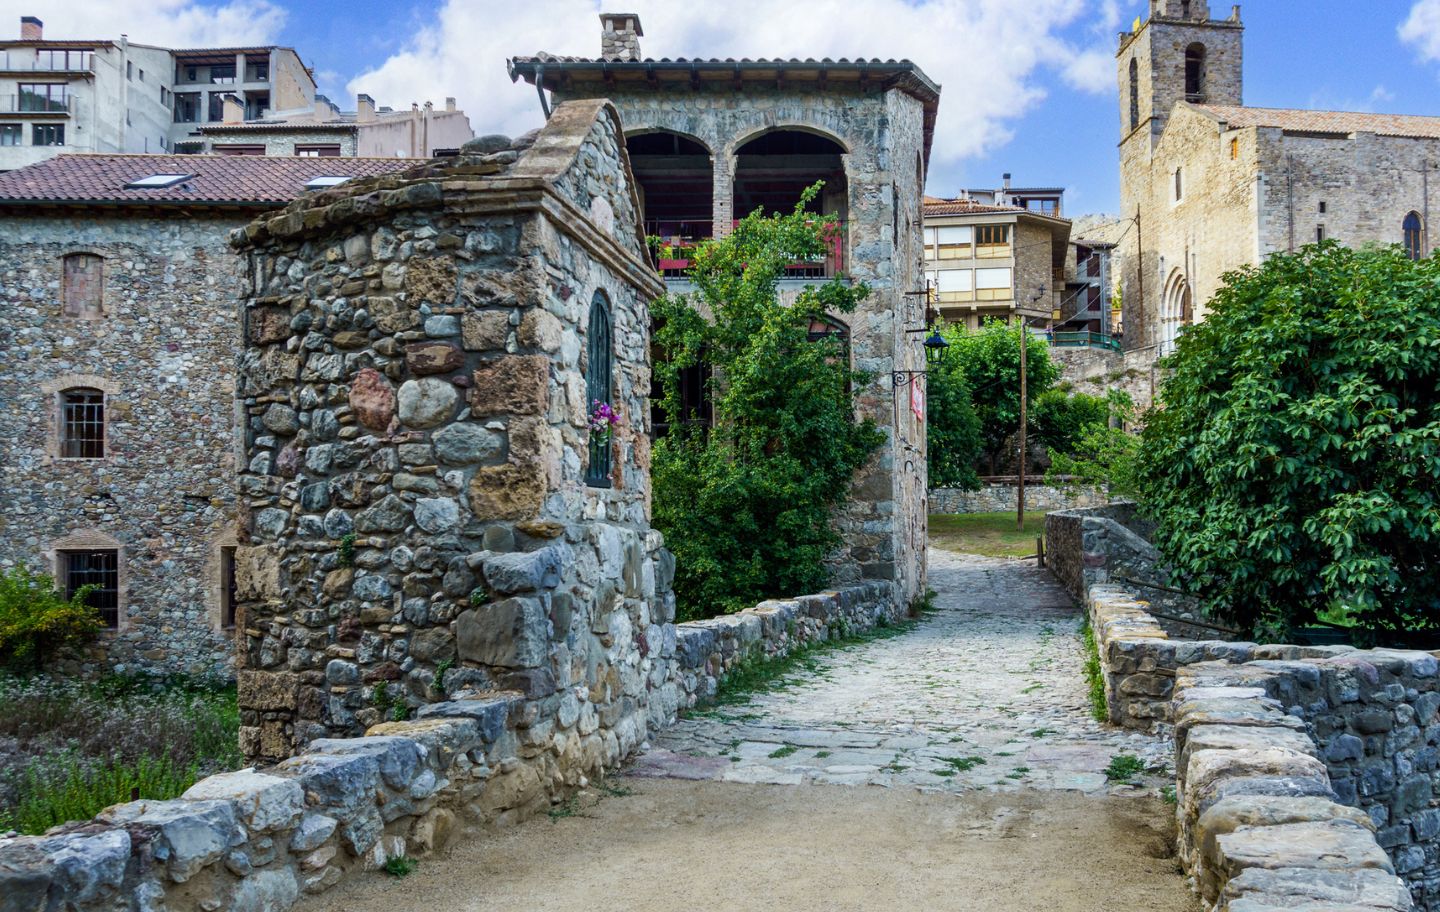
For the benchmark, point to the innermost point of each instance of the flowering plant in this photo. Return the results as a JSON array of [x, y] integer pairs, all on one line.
[[603, 420]]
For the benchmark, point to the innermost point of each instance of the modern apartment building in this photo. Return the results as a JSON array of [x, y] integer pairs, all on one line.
[[324, 130], [112, 95], [985, 260]]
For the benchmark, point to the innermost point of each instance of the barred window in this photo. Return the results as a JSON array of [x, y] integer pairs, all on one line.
[[100, 569], [597, 388], [82, 284], [82, 424]]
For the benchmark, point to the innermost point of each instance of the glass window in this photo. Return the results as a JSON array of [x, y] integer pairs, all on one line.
[[82, 285], [100, 569], [63, 59], [324, 150], [187, 107], [597, 388], [222, 74], [1414, 239], [47, 135], [82, 424], [215, 113], [992, 241], [43, 98], [955, 285], [10, 134]]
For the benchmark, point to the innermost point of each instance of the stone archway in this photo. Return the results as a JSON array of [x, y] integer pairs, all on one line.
[[1176, 310]]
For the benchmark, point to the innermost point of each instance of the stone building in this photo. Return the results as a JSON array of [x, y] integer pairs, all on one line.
[[985, 259], [1210, 185], [118, 329], [711, 140], [422, 492], [323, 130]]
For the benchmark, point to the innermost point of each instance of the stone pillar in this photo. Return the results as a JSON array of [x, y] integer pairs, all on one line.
[[722, 203]]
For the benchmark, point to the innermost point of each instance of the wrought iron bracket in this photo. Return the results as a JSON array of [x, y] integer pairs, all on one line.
[[901, 377]]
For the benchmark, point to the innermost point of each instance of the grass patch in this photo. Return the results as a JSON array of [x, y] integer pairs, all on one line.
[[1042, 732], [758, 675], [963, 764], [783, 750], [988, 534], [70, 749], [1167, 795], [400, 866], [1094, 676], [1124, 767], [570, 807], [821, 755]]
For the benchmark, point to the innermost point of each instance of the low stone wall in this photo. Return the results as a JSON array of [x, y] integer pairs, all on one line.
[[259, 840], [706, 650], [1260, 826], [997, 497]]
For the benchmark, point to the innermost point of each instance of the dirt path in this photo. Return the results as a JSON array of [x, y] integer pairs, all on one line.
[[976, 724], [722, 846]]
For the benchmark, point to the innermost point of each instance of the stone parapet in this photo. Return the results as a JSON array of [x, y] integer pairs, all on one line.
[[998, 497]]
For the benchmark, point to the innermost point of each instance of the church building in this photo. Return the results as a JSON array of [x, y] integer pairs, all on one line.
[[1210, 185]]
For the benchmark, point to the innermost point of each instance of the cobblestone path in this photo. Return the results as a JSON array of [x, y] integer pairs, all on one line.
[[986, 692]]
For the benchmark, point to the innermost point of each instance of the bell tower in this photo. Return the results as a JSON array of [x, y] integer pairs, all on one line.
[[1178, 54]]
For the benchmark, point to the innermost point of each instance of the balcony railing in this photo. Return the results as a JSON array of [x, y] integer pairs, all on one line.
[[677, 241], [29, 63], [36, 104], [1084, 339]]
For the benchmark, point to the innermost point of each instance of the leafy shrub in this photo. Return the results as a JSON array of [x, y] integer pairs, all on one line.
[[1102, 455], [1060, 419], [1293, 464], [746, 506], [70, 749], [952, 427], [36, 619], [989, 360]]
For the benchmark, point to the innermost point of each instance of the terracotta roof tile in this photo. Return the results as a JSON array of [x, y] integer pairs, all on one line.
[[236, 180], [935, 206], [1409, 125]]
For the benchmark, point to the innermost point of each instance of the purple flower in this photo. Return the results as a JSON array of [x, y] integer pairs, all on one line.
[[603, 418]]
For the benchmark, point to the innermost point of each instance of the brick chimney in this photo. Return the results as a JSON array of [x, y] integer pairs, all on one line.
[[449, 103], [231, 110], [31, 29], [620, 36], [364, 108]]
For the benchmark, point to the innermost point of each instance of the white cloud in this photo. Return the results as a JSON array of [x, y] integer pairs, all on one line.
[[167, 23], [1422, 29], [986, 54]]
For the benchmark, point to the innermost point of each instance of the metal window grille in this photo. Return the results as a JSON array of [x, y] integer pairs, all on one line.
[[83, 424], [100, 569], [597, 388], [227, 588]]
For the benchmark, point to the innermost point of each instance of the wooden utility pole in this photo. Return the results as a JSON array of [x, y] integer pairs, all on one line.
[[1020, 489]]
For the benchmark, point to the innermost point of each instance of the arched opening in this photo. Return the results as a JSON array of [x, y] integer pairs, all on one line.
[[774, 168], [599, 368], [1176, 311], [1195, 72], [1134, 93], [1414, 236], [675, 178]]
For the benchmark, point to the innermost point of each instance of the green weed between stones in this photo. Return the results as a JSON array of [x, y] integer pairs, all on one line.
[[1124, 767], [758, 675], [1167, 794], [1094, 679], [784, 750], [400, 866], [963, 764]]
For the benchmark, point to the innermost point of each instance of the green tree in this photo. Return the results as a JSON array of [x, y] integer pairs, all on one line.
[[1103, 453], [35, 619], [989, 360], [1292, 466], [1060, 418], [951, 426], [747, 505]]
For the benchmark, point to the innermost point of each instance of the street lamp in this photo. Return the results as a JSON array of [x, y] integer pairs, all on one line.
[[935, 348]]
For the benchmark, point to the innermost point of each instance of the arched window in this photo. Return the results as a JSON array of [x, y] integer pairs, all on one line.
[[1134, 93], [82, 424], [1195, 72], [81, 285], [600, 366], [1414, 236]]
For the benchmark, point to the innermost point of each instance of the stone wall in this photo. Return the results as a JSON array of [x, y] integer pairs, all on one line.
[[1097, 371], [259, 840], [998, 497], [160, 349]]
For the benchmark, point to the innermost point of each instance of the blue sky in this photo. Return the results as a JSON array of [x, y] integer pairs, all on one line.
[[1028, 84]]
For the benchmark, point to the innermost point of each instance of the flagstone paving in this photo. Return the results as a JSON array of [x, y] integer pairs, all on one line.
[[985, 692]]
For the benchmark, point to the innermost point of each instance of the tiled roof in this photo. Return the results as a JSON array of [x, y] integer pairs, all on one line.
[[233, 50], [934, 206], [219, 180], [1410, 125], [322, 126]]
